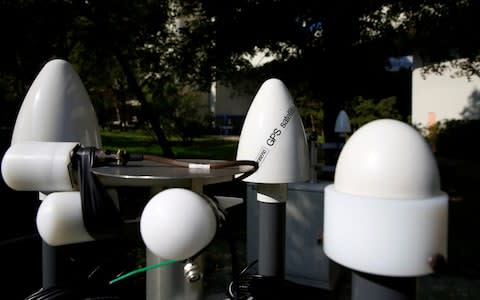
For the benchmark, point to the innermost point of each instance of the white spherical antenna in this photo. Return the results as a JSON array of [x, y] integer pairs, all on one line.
[[177, 223]]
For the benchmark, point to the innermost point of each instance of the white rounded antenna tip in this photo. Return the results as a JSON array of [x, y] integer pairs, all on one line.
[[273, 135], [274, 84], [385, 213], [60, 219], [57, 108], [389, 159], [342, 123], [177, 223]]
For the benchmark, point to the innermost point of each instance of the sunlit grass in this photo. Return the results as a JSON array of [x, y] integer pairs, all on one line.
[[144, 141]]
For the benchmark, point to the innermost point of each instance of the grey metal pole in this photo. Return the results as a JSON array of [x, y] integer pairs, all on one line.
[[271, 239], [52, 272], [52, 269], [374, 287], [313, 156], [271, 229]]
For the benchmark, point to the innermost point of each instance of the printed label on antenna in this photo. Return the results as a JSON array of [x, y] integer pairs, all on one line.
[[262, 155], [275, 134]]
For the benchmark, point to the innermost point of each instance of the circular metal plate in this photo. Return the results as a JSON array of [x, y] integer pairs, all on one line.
[[149, 173]]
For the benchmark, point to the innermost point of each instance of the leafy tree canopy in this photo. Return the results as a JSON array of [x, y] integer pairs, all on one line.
[[329, 52]]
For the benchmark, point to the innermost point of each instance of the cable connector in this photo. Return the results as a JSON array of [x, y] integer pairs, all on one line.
[[192, 271], [119, 158]]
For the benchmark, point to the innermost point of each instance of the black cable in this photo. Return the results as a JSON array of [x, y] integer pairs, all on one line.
[[244, 288], [53, 293], [249, 266], [100, 215], [20, 239], [235, 272]]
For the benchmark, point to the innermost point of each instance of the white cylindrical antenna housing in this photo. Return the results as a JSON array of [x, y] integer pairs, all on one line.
[[385, 213], [38, 166], [60, 219]]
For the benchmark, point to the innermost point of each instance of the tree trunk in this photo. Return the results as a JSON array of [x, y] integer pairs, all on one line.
[[147, 113]]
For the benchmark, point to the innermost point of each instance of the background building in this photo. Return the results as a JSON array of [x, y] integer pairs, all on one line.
[[440, 97]]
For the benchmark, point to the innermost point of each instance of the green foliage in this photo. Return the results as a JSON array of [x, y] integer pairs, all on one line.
[[181, 111], [440, 31], [311, 112], [9, 98], [143, 141], [362, 110], [128, 49], [186, 116], [457, 139]]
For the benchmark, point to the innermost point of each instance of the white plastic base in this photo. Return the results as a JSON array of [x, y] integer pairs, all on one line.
[[390, 237], [38, 166], [60, 220]]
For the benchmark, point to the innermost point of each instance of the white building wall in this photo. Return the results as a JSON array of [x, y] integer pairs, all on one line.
[[223, 100], [235, 100], [232, 102], [440, 97]]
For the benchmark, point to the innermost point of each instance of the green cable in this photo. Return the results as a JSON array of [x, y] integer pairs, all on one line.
[[144, 269]]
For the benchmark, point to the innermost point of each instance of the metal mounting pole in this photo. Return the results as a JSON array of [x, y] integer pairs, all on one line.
[[52, 269], [271, 229], [52, 264]]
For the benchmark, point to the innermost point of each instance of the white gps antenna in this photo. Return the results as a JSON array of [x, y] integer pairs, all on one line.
[[273, 135], [385, 214]]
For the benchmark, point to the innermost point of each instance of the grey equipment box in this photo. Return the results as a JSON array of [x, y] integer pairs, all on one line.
[[305, 261]]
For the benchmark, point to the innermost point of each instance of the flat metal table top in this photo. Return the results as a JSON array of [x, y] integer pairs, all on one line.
[[149, 173]]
